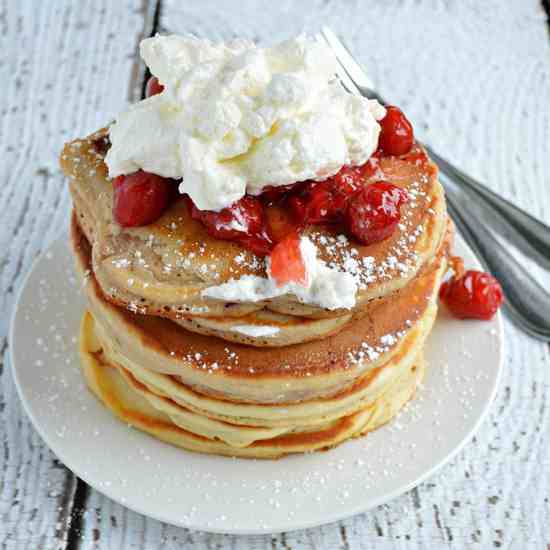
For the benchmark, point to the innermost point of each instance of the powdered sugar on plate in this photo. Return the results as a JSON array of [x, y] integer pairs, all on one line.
[[235, 495]]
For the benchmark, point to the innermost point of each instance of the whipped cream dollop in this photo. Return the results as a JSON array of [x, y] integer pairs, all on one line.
[[233, 118], [325, 286]]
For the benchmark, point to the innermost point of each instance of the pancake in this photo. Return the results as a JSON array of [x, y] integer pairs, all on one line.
[[163, 269], [202, 343], [396, 325], [265, 328], [155, 413]]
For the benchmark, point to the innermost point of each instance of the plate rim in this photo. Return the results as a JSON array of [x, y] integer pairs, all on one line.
[[328, 518]]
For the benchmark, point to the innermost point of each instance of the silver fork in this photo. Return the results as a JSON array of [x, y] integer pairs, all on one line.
[[527, 302]]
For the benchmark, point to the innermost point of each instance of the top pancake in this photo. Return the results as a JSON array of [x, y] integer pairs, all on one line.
[[163, 268]]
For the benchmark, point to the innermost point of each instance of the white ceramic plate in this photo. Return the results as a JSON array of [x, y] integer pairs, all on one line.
[[235, 495]]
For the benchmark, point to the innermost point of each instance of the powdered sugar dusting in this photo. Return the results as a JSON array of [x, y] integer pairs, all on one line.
[[215, 492], [401, 258]]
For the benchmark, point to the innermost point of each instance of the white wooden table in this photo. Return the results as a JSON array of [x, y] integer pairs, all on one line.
[[474, 76]]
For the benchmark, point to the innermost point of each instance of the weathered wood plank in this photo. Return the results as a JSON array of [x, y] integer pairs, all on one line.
[[62, 78], [487, 111], [490, 114]]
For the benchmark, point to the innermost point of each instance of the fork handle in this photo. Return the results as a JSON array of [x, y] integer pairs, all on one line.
[[529, 234], [526, 300]]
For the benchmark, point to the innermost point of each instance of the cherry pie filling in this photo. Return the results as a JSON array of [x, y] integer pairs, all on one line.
[[270, 224], [260, 222]]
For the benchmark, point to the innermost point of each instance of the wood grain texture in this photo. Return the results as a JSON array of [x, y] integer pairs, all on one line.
[[61, 78], [474, 78]]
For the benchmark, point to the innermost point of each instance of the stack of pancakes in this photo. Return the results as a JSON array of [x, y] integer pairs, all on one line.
[[251, 379]]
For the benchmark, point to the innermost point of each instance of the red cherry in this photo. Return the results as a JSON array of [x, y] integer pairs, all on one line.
[[316, 205], [243, 222], [396, 137], [259, 222], [373, 213], [272, 193], [372, 165], [140, 198], [244, 217], [298, 209], [327, 201], [281, 222], [348, 179], [118, 181], [261, 244], [474, 295], [153, 87], [287, 263]]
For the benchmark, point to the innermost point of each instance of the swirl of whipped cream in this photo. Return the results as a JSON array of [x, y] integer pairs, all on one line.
[[234, 119]]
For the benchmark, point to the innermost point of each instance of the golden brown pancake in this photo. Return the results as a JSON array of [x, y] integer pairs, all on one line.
[[162, 269], [396, 324], [260, 379], [135, 404]]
